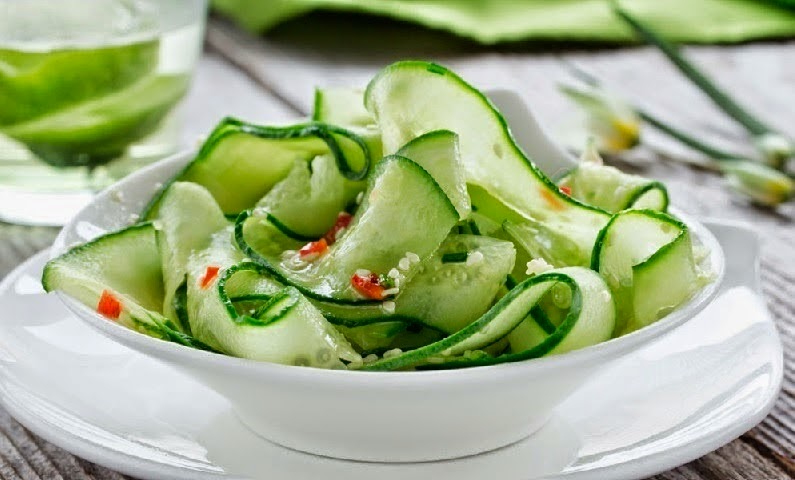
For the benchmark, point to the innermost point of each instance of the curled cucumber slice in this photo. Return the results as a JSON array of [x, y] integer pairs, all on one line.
[[240, 162], [590, 320], [401, 199], [647, 259], [306, 203], [412, 98], [612, 190], [283, 328]]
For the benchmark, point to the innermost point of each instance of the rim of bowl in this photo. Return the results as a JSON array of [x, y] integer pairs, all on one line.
[[174, 353]]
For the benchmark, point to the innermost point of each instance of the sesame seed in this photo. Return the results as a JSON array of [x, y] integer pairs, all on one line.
[[360, 197], [474, 258], [395, 352], [404, 263], [394, 273], [363, 273], [413, 257], [389, 307]]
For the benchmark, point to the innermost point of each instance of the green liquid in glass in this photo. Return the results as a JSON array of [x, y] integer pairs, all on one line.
[[84, 107]]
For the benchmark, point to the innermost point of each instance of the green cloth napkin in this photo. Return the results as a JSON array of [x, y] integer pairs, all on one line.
[[493, 21]]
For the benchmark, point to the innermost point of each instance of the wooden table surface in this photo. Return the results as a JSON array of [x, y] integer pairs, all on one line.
[[271, 80]]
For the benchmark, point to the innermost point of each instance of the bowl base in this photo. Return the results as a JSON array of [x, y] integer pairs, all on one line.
[[367, 452]]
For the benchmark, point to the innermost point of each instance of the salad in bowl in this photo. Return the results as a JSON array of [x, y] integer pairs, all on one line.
[[402, 228], [445, 292]]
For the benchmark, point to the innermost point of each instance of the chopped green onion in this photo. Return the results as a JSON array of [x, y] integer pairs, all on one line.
[[510, 282], [455, 257], [473, 227]]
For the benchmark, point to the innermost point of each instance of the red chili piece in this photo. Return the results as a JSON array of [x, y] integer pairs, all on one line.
[[109, 306], [312, 250], [343, 220], [566, 189], [368, 285], [209, 275]]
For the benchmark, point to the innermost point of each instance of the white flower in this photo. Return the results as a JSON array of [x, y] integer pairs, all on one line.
[[762, 184], [610, 118]]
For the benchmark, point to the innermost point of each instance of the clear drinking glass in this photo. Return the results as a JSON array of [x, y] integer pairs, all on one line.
[[89, 91]]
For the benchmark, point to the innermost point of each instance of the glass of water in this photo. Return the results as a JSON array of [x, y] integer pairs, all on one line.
[[89, 91]]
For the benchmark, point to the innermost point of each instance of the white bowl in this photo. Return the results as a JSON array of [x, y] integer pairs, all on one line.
[[375, 416]]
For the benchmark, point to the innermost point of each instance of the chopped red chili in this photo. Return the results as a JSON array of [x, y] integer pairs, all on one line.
[[368, 285], [109, 306], [312, 250], [209, 275], [566, 189], [343, 220]]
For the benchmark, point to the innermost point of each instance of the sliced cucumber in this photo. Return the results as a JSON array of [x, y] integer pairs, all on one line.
[[531, 332], [591, 320], [345, 107], [611, 189], [37, 83], [341, 106], [556, 240], [647, 259], [103, 264], [401, 199], [99, 130], [468, 286], [411, 98], [437, 152], [306, 203], [552, 242], [240, 162], [373, 337], [286, 329], [187, 218]]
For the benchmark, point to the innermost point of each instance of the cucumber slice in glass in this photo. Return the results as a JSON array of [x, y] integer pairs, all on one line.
[[96, 131], [33, 84]]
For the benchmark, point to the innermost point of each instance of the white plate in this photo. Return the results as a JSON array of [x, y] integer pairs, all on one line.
[[694, 390]]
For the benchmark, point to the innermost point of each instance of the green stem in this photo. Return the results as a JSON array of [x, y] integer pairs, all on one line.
[[690, 141], [789, 4], [721, 98]]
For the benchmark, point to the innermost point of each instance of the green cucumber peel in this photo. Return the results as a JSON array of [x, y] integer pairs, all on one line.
[[305, 140], [506, 314], [331, 286]]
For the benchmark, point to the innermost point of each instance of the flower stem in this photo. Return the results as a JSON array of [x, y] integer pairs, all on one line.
[[755, 126]]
